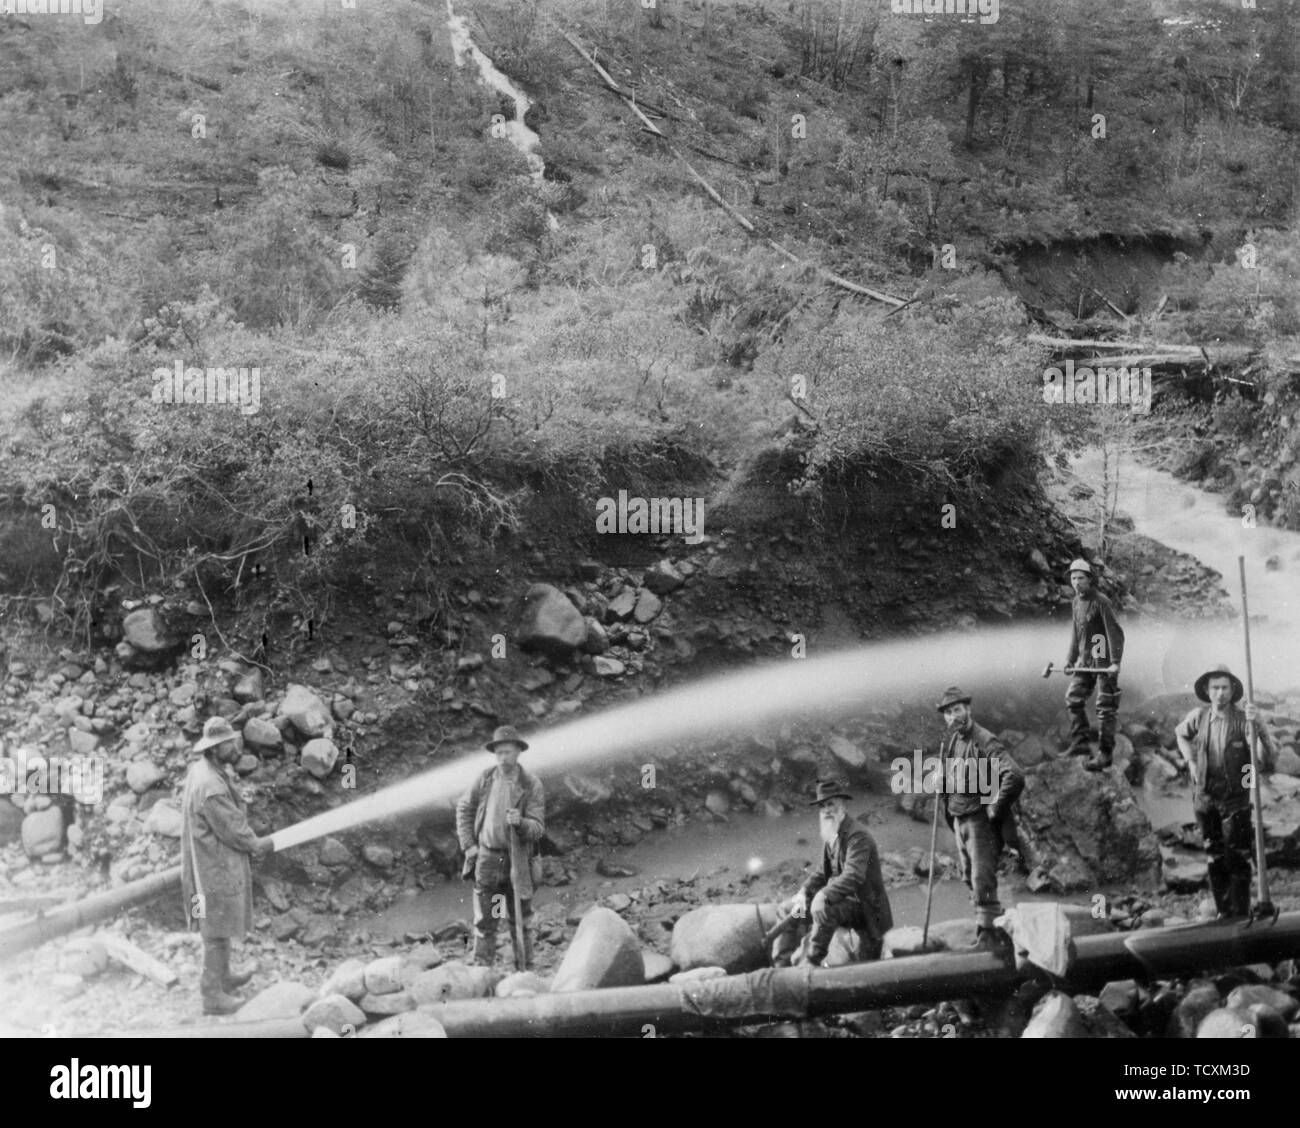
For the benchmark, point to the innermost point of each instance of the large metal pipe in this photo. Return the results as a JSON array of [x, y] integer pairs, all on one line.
[[794, 993], [102, 906], [806, 993]]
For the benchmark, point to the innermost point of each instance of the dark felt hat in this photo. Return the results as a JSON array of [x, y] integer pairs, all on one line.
[[952, 696], [506, 734], [830, 789], [1238, 690]]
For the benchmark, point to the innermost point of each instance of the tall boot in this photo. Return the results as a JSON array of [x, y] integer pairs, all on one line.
[[1239, 895], [485, 949], [239, 977], [528, 946], [216, 970], [1219, 887]]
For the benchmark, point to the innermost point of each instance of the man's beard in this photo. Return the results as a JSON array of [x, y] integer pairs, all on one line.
[[829, 828]]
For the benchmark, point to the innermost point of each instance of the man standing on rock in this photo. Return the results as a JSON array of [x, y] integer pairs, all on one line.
[[216, 874], [847, 892], [1214, 742], [973, 763], [504, 802], [1097, 642]]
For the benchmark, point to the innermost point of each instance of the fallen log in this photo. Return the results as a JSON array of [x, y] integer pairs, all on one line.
[[713, 194]]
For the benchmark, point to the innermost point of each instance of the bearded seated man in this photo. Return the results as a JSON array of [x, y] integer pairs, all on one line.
[[847, 892]]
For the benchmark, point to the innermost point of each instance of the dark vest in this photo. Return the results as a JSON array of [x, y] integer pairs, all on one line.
[[1224, 787]]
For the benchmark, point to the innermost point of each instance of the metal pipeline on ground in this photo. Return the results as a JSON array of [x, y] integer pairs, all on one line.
[[803, 992], [101, 906]]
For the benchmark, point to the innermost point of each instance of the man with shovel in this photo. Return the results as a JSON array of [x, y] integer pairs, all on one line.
[[499, 821], [1096, 645], [848, 890], [1214, 742]]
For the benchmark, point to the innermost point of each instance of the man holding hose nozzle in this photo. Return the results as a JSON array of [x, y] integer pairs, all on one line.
[[216, 876], [1096, 642]]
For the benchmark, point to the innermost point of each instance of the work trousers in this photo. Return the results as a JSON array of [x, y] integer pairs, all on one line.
[[216, 968], [1229, 837], [977, 850], [494, 900], [1076, 700]]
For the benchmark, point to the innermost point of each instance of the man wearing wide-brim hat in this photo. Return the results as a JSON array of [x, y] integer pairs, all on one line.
[[216, 875], [1215, 742], [980, 782], [848, 890], [1096, 643], [504, 802]]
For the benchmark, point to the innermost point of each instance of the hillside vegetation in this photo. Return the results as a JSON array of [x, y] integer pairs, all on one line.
[[451, 353]]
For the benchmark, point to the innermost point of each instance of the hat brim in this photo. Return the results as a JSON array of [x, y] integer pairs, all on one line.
[[1202, 684], [212, 741], [837, 795], [493, 745], [955, 701]]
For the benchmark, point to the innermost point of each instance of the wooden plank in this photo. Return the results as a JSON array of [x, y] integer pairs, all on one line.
[[129, 956]]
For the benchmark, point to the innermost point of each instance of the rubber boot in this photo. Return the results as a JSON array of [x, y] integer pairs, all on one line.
[[216, 970], [485, 949], [1239, 895], [237, 978], [1099, 763], [990, 939]]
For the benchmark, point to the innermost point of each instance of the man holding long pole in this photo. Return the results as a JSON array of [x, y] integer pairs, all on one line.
[[1215, 743], [499, 822]]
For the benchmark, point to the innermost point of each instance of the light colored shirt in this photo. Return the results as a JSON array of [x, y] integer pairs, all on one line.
[[496, 831]]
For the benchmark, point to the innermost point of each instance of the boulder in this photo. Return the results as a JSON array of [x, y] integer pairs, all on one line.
[[11, 822], [334, 853], [83, 956], [1242, 998], [413, 1024], [281, 1000], [1288, 762], [260, 733], [1226, 1022], [141, 775], [394, 1002], [145, 630], [522, 983], [603, 953], [446, 983], [846, 752], [657, 966], [1099, 1020], [1085, 829], [248, 687], [82, 743], [306, 712], [1056, 1016], [1031, 751], [379, 855], [334, 1011], [648, 605], [662, 578], [348, 980], [42, 831], [319, 756], [606, 667], [550, 624], [944, 936], [384, 975], [622, 605], [597, 641], [727, 936], [164, 819], [1191, 1011]]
